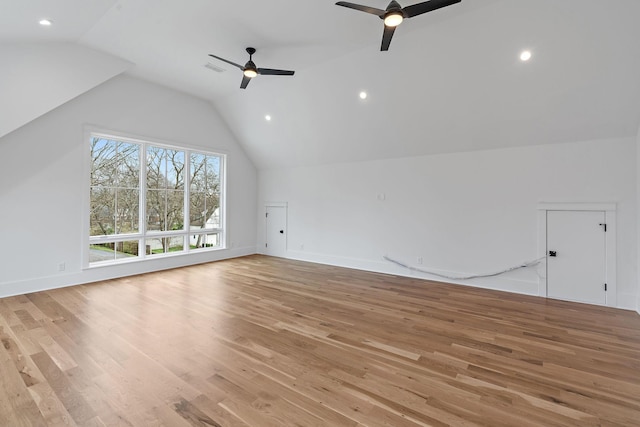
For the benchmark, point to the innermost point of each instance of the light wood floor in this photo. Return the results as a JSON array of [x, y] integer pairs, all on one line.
[[263, 342]]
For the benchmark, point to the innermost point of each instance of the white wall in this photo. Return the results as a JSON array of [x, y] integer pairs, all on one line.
[[462, 213], [42, 181], [37, 77], [638, 213]]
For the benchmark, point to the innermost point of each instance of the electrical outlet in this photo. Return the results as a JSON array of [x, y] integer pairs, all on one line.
[[302, 247], [419, 260], [61, 266]]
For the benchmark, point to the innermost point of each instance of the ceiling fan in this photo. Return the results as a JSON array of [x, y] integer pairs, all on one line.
[[394, 14], [250, 70]]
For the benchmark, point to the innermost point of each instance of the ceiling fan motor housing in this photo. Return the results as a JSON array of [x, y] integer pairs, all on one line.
[[250, 65], [394, 7]]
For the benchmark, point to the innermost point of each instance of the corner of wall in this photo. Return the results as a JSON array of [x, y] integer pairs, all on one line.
[[638, 220]]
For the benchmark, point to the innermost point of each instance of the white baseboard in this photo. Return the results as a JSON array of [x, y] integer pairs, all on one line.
[[625, 302], [498, 283], [119, 270], [506, 283]]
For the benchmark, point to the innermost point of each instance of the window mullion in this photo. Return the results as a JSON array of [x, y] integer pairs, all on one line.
[[142, 200], [204, 196], [166, 207], [221, 201], [187, 196], [115, 188], [166, 243]]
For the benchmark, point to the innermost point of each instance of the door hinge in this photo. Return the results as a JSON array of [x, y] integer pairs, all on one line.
[[605, 287], [604, 225]]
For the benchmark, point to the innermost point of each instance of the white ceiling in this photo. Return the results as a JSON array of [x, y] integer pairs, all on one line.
[[452, 80]]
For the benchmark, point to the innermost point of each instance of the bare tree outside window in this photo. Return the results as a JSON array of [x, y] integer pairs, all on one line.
[[115, 188], [177, 216], [204, 200]]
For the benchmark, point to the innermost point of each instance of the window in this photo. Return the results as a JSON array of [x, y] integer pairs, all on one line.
[[148, 200]]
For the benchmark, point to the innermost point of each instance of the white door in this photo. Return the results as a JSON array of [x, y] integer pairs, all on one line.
[[276, 220], [576, 256]]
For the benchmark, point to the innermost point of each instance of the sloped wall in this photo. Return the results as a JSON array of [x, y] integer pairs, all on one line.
[[36, 78], [461, 213], [42, 191]]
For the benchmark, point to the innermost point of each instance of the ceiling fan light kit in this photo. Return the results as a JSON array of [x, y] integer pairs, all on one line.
[[250, 72], [393, 19]]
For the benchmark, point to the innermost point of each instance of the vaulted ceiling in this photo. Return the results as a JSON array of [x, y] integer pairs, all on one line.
[[452, 80]]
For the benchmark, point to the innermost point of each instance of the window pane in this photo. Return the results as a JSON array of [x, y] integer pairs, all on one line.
[[156, 204], [103, 162], [102, 211], [156, 167], [114, 250], [114, 168], [213, 170], [213, 174], [197, 210], [176, 244], [198, 171], [203, 241], [163, 245], [213, 211], [175, 169], [204, 200], [126, 249], [175, 210], [154, 246], [127, 205], [213, 192], [128, 165], [101, 252], [204, 211]]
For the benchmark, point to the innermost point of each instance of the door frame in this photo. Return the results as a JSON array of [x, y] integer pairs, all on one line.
[[611, 297], [284, 205]]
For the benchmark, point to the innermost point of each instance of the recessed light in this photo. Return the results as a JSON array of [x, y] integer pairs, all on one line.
[[363, 95], [267, 118], [45, 22], [525, 55]]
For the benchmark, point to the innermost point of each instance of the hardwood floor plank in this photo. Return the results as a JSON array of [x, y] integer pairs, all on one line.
[[16, 404], [72, 400], [23, 365], [51, 346], [261, 342], [50, 406], [8, 316], [217, 413]]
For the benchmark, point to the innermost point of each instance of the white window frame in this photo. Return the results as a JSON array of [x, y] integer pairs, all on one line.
[[142, 235]]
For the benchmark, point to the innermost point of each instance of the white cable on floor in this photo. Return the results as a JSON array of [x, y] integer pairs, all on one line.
[[473, 276]]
